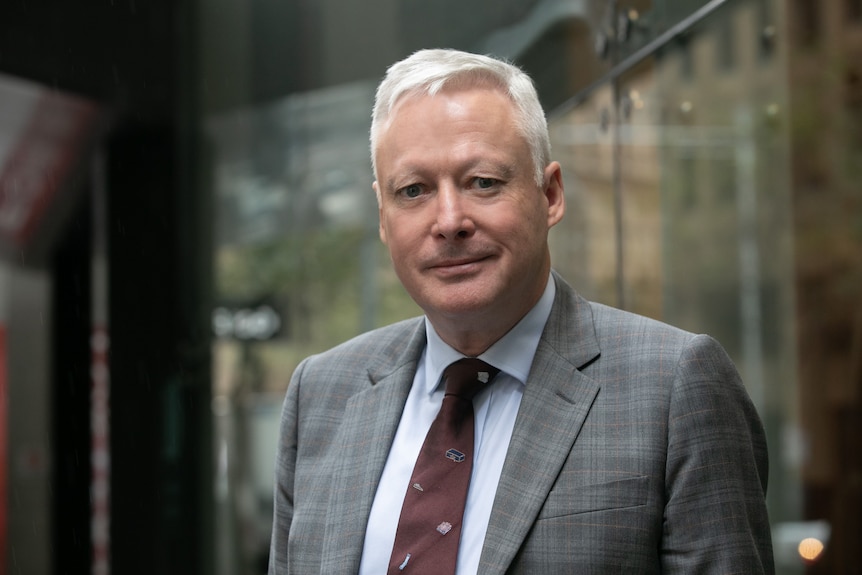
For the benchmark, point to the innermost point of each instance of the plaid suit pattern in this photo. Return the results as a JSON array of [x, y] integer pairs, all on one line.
[[636, 449]]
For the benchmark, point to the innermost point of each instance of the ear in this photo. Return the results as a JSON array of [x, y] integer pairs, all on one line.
[[382, 228], [554, 192]]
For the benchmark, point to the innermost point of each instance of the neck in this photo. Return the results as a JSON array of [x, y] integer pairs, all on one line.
[[468, 342]]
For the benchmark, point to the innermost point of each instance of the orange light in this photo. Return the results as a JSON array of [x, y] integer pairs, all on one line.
[[810, 549]]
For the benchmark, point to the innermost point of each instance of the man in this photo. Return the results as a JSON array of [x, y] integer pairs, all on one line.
[[607, 443]]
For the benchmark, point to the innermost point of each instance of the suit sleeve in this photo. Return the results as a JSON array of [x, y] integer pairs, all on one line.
[[715, 518], [285, 469]]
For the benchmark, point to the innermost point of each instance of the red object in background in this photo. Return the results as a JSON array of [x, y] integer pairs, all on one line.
[[43, 156]]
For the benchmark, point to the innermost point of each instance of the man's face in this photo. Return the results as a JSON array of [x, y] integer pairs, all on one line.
[[460, 211]]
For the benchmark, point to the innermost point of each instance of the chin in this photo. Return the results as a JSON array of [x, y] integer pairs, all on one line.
[[458, 306], [474, 296]]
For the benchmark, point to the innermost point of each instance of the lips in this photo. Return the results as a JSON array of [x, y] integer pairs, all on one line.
[[457, 262], [456, 266]]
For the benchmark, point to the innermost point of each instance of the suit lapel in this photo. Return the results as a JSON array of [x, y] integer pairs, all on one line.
[[556, 401], [364, 438]]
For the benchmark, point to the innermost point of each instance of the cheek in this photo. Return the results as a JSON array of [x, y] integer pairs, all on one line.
[[404, 227], [402, 240], [535, 218], [519, 224], [397, 234]]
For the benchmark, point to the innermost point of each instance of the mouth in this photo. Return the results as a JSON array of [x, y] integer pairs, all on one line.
[[458, 266]]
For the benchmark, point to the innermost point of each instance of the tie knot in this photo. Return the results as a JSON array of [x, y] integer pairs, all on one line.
[[466, 377]]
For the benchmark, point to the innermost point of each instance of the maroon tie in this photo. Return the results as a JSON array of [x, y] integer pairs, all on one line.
[[429, 529]]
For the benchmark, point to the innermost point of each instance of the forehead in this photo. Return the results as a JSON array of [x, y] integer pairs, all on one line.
[[423, 119], [452, 109]]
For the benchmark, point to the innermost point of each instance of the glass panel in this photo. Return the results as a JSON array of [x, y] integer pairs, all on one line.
[[640, 176], [638, 22], [584, 244], [299, 269]]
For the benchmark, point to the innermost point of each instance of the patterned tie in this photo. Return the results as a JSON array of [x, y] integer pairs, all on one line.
[[429, 529]]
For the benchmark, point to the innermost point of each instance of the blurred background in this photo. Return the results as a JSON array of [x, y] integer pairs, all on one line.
[[186, 212]]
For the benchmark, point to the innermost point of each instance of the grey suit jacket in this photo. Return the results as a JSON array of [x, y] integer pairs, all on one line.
[[635, 450]]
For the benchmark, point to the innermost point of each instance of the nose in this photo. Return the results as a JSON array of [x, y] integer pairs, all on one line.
[[453, 220]]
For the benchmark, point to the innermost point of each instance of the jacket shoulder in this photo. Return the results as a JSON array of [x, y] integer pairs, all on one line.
[[614, 322]]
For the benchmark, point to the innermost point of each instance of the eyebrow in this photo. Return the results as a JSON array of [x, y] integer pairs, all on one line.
[[392, 185], [505, 171]]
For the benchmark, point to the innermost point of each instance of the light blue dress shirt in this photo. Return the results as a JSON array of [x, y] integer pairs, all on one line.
[[495, 407]]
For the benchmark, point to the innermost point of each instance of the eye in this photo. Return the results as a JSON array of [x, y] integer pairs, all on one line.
[[411, 191], [485, 183]]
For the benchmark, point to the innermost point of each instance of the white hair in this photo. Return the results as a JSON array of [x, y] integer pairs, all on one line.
[[430, 71]]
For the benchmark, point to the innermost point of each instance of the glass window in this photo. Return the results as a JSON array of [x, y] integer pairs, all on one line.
[[584, 244], [299, 268]]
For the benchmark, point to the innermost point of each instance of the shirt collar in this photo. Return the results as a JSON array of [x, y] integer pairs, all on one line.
[[513, 353]]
